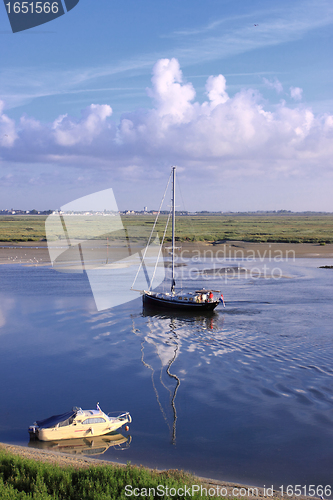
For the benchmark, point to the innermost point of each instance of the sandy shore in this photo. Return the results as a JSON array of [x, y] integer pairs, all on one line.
[[63, 460], [36, 253]]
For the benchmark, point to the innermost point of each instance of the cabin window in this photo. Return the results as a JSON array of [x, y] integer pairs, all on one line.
[[96, 420]]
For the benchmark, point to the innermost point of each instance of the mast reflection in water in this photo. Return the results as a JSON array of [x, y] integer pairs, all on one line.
[[165, 337], [246, 392]]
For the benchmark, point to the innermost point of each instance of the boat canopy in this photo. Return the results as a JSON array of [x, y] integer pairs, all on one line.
[[207, 291], [63, 419]]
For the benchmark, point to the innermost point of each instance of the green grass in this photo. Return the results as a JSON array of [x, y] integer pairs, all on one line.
[[22, 228], [25, 479], [265, 228], [282, 228]]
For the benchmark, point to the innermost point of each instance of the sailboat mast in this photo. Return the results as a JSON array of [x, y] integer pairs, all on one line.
[[173, 229]]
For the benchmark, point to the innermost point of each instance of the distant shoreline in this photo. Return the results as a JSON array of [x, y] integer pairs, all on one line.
[[286, 228]]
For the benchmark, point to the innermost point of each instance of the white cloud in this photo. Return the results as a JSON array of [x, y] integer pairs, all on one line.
[[216, 90], [296, 93], [208, 42], [7, 129], [229, 135], [171, 97], [274, 84], [69, 132]]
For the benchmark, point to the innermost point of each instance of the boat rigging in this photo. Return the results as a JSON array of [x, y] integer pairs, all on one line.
[[197, 300]]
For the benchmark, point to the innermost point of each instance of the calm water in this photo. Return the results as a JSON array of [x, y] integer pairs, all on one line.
[[244, 394]]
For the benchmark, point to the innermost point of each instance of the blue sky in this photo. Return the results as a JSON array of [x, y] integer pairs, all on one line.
[[113, 93]]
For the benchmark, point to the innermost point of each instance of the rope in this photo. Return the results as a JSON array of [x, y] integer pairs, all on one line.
[[151, 234], [159, 252]]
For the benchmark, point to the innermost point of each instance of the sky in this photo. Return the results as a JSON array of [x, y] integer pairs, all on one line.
[[237, 94]]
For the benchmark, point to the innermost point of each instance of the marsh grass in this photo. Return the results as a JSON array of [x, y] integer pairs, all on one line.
[[24, 479], [264, 228], [22, 228]]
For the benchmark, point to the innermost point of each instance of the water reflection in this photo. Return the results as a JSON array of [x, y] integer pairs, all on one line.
[[261, 369], [162, 345], [84, 446]]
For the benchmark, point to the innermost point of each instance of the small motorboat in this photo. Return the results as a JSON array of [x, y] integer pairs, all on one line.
[[77, 423]]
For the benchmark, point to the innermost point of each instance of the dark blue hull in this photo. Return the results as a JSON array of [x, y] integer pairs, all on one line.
[[152, 301]]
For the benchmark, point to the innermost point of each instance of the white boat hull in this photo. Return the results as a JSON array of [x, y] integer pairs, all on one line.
[[83, 425]]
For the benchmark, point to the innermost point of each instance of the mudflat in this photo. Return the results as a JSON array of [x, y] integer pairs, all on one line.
[[36, 253]]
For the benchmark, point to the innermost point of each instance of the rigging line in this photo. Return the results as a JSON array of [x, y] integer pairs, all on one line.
[[184, 208], [145, 271], [160, 250], [151, 234], [189, 221]]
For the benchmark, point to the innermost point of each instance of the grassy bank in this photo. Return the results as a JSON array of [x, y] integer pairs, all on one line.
[[265, 228], [22, 228], [272, 229], [23, 479]]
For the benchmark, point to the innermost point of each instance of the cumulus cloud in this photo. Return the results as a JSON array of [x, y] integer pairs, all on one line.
[[274, 84], [7, 129], [172, 99], [68, 131], [216, 90], [229, 134], [296, 93]]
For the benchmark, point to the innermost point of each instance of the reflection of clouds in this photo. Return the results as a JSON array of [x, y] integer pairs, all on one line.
[[194, 334], [7, 304], [273, 349], [168, 342], [2, 319], [164, 352]]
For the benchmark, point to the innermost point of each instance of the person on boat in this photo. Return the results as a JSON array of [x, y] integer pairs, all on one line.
[[211, 296], [204, 297]]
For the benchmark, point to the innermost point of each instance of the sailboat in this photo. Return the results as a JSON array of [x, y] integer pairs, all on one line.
[[201, 300]]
